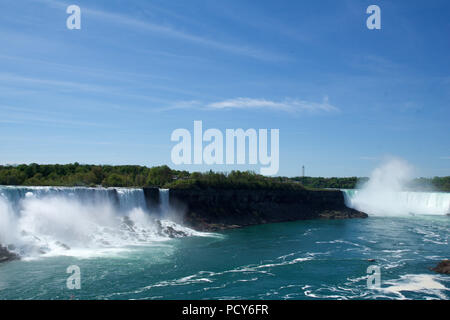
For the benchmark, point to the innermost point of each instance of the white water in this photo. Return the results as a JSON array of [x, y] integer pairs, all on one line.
[[399, 203], [164, 201], [36, 221], [385, 195]]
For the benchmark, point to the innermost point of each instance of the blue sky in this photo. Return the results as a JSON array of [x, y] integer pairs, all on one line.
[[343, 96]]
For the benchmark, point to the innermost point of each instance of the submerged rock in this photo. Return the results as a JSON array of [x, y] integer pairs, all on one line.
[[159, 227], [168, 231], [172, 233], [442, 267], [128, 223], [6, 255]]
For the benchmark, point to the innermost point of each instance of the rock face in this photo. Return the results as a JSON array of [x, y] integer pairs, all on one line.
[[213, 209], [442, 267], [6, 255], [151, 197]]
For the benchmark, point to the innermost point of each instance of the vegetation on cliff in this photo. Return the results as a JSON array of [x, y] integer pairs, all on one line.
[[233, 180], [87, 175], [337, 183], [133, 176], [419, 184], [162, 176]]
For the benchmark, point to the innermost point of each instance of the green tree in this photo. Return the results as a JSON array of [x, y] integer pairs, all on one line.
[[114, 180]]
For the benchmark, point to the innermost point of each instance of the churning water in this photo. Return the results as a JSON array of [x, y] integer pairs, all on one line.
[[315, 259], [51, 221]]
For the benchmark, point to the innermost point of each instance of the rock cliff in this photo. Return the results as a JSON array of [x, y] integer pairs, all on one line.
[[213, 209]]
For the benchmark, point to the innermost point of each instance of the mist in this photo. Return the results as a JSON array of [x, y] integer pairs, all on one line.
[[80, 221], [387, 193]]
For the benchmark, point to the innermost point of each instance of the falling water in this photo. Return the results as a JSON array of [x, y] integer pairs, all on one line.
[[385, 194], [401, 203], [57, 220], [164, 201]]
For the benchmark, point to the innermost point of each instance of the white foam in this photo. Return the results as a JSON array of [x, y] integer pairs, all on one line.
[[424, 283]]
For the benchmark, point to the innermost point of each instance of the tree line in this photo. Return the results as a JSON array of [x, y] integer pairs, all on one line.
[[418, 184], [337, 183], [76, 174]]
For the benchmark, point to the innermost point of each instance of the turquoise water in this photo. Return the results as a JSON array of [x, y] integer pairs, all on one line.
[[296, 260]]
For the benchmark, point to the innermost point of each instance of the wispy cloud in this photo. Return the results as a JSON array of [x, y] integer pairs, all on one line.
[[83, 70], [177, 105], [11, 80], [445, 158], [10, 77], [32, 116], [169, 31], [288, 105]]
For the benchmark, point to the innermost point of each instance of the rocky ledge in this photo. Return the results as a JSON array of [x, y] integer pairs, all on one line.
[[6, 255], [215, 209]]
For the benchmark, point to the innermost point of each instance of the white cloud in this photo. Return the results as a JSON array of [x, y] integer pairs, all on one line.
[[288, 105], [192, 104]]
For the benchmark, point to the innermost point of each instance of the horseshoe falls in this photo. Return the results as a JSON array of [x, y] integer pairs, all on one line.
[[399, 203], [386, 194]]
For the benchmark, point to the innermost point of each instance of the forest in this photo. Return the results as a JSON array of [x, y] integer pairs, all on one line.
[[76, 174]]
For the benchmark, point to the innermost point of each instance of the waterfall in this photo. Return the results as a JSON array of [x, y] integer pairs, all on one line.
[[125, 199], [129, 199], [164, 201], [70, 221], [385, 193], [398, 203]]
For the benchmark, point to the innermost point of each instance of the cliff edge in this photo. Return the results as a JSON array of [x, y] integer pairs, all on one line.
[[215, 209]]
